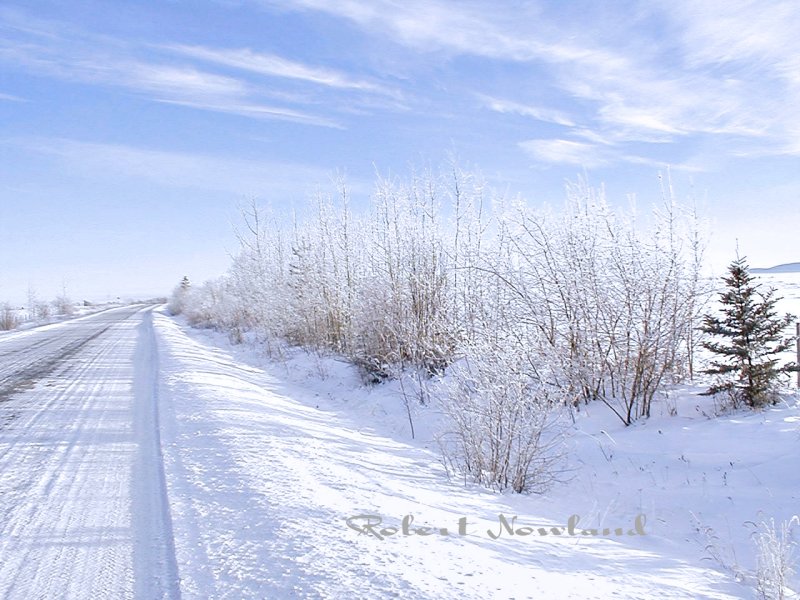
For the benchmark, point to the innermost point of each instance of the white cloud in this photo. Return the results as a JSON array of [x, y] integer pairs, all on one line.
[[670, 70], [535, 112], [754, 48], [434, 25], [740, 32], [10, 98], [98, 61], [276, 66], [174, 84], [258, 111], [639, 119], [568, 152], [726, 69], [169, 80], [593, 155]]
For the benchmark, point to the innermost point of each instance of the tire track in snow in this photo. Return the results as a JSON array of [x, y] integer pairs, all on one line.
[[32, 355], [155, 566]]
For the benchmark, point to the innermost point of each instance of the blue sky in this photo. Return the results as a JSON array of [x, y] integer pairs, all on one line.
[[130, 131]]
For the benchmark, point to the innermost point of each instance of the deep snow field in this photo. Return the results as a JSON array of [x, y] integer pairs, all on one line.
[[267, 457]]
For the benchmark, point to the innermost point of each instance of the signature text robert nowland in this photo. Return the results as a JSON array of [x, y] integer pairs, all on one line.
[[373, 525]]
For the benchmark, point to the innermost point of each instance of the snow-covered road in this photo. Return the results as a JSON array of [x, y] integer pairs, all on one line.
[[82, 504]]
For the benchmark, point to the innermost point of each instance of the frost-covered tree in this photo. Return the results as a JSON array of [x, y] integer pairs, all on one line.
[[610, 301], [748, 338], [257, 280], [43, 310], [178, 299], [439, 265], [404, 313], [63, 305], [525, 311], [33, 300]]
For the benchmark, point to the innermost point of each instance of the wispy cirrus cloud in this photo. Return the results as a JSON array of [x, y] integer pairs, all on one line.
[[755, 49], [258, 111], [11, 98], [187, 86], [171, 84], [48, 49], [276, 66], [526, 110], [671, 72], [166, 80], [594, 154], [741, 34], [569, 152], [436, 25]]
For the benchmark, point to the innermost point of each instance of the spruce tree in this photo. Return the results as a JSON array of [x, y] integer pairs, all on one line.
[[177, 301], [750, 335]]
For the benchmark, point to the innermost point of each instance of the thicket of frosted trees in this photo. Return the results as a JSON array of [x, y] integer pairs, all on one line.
[[528, 310]]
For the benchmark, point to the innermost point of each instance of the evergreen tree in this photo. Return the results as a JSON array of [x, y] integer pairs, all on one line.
[[177, 301], [749, 338]]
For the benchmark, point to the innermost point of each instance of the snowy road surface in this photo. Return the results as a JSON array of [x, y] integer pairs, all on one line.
[[139, 461], [82, 504]]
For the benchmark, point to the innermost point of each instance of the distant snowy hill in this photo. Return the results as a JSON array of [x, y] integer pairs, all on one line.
[[787, 268]]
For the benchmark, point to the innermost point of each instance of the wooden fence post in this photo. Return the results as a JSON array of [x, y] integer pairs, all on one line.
[[798, 353]]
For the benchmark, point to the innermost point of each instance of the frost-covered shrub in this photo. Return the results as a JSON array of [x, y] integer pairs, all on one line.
[[41, 310], [502, 411], [616, 305], [8, 317], [63, 305], [437, 267], [775, 556], [205, 306], [404, 310]]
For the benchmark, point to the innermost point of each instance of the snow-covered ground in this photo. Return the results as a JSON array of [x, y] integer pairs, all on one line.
[[274, 456], [787, 286], [142, 458], [267, 460], [27, 320]]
